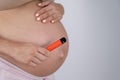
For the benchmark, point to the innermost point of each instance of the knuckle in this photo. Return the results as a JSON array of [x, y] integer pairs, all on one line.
[[61, 55]]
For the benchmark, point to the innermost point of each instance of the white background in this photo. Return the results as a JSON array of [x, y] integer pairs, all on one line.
[[93, 27]]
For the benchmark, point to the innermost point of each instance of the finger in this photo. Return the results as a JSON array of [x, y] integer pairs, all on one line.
[[55, 20], [45, 3], [41, 57], [50, 18], [42, 50], [32, 63], [36, 60], [46, 15], [42, 11]]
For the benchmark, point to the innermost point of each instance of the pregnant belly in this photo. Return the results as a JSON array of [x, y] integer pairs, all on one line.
[[36, 33], [22, 27]]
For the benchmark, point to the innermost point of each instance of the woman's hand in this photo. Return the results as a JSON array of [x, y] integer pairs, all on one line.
[[30, 54], [51, 12]]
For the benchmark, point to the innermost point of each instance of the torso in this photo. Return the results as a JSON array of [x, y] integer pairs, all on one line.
[[8, 4], [20, 25], [21, 21]]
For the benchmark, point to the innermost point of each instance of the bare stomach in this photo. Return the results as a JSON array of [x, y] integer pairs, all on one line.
[[19, 25]]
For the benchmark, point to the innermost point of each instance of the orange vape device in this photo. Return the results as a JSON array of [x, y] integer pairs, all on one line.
[[56, 44]]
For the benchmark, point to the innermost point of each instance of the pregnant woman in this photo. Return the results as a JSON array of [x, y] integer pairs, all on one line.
[[24, 41]]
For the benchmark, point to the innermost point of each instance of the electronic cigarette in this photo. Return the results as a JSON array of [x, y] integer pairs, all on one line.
[[56, 44]]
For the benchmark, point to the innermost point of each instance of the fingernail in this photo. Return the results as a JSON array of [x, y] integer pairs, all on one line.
[[44, 20], [38, 18], [37, 14], [52, 21], [39, 4]]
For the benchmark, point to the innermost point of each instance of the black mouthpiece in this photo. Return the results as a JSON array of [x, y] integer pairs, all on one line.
[[63, 40]]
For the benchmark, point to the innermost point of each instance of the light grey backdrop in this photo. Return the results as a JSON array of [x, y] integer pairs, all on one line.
[[93, 28]]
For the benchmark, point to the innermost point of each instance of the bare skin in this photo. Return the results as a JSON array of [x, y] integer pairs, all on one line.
[[8, 4], [51, 12], [25, 29]]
